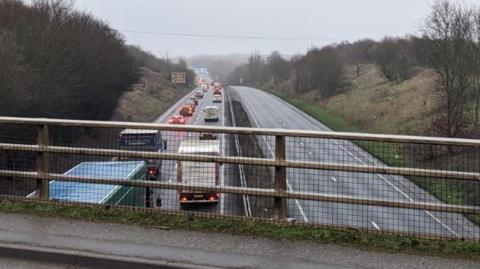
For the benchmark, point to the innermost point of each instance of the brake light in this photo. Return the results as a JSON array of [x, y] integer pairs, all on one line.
[[152, 171], [183, 198], [213, 197]]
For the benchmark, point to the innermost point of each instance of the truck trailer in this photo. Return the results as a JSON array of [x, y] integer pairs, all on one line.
[[198, 173], [104, 194]]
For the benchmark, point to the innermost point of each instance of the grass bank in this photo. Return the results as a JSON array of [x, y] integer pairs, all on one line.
[[149, 98], [388, 153], [347, 237]]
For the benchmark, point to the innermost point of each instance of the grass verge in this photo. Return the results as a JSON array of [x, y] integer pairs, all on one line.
[[382, 151], [346, 237]]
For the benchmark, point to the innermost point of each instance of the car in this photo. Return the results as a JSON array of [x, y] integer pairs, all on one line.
[[217, 90], [194, 100], [176, 119], [192, 104], [217, 98], [186, 110], [210, 113], [199, 94], [207, 136]]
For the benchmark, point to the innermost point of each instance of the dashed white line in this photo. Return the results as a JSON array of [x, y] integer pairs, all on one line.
[[375, 225], [298, 204], [310, 153], [334, 179], [381, 176], [443, 224]]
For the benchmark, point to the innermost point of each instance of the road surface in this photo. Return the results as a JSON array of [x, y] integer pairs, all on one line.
[[268, 111], [228, 204]]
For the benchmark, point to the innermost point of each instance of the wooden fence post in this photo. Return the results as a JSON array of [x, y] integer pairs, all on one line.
[[280, 204], [43, 163]]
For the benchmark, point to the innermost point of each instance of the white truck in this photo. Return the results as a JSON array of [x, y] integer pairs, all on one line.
[[198, 173]]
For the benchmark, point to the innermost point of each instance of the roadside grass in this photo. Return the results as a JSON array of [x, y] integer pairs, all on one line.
[[386, 152], [256, 228]]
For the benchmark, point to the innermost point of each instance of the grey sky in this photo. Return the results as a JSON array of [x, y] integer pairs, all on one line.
[[327, 20]]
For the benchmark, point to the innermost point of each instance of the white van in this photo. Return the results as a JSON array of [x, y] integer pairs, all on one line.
[[217, 98], [210, 113]]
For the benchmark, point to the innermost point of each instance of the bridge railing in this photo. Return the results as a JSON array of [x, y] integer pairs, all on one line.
[[421, 186]]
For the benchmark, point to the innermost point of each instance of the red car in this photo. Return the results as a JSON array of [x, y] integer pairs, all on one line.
[[192, 105], [176, 119], [186, 110]]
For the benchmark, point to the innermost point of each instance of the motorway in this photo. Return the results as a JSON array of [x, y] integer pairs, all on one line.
[[267, 111], [228, 204]]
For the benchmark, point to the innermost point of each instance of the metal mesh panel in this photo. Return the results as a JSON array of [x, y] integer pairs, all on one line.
[[415, 186]]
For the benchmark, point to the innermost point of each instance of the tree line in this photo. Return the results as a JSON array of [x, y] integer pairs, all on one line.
[[448, 44], [61, 63], [165, 66]]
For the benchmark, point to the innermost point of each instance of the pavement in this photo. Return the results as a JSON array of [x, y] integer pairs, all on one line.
[[268, 111], [60, 243]]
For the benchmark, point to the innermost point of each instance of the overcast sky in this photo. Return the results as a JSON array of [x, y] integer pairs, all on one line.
[[320, 21]]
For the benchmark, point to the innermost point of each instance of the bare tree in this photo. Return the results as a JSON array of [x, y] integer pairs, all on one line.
[[448, 29], [476, 70], [395, 57], [278, 67]]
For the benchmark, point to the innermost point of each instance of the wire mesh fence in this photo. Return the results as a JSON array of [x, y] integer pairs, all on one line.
[[406, 185]]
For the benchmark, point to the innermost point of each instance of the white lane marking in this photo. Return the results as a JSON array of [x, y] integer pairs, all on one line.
[[298, 204], [258, 125], [273, 155], [222, 176], [310, 153], [375, 225], [379, 175], [349, 153], [301, 144], [334, 179], [243, 181], [443, 224]]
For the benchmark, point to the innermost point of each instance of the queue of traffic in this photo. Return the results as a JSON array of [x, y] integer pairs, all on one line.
[[210, 112], [204, 174]]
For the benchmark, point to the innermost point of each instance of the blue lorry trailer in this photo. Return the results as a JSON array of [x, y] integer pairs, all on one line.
[[102, 193]]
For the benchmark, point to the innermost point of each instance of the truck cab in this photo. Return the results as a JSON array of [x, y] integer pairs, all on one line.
[[145, 140]]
